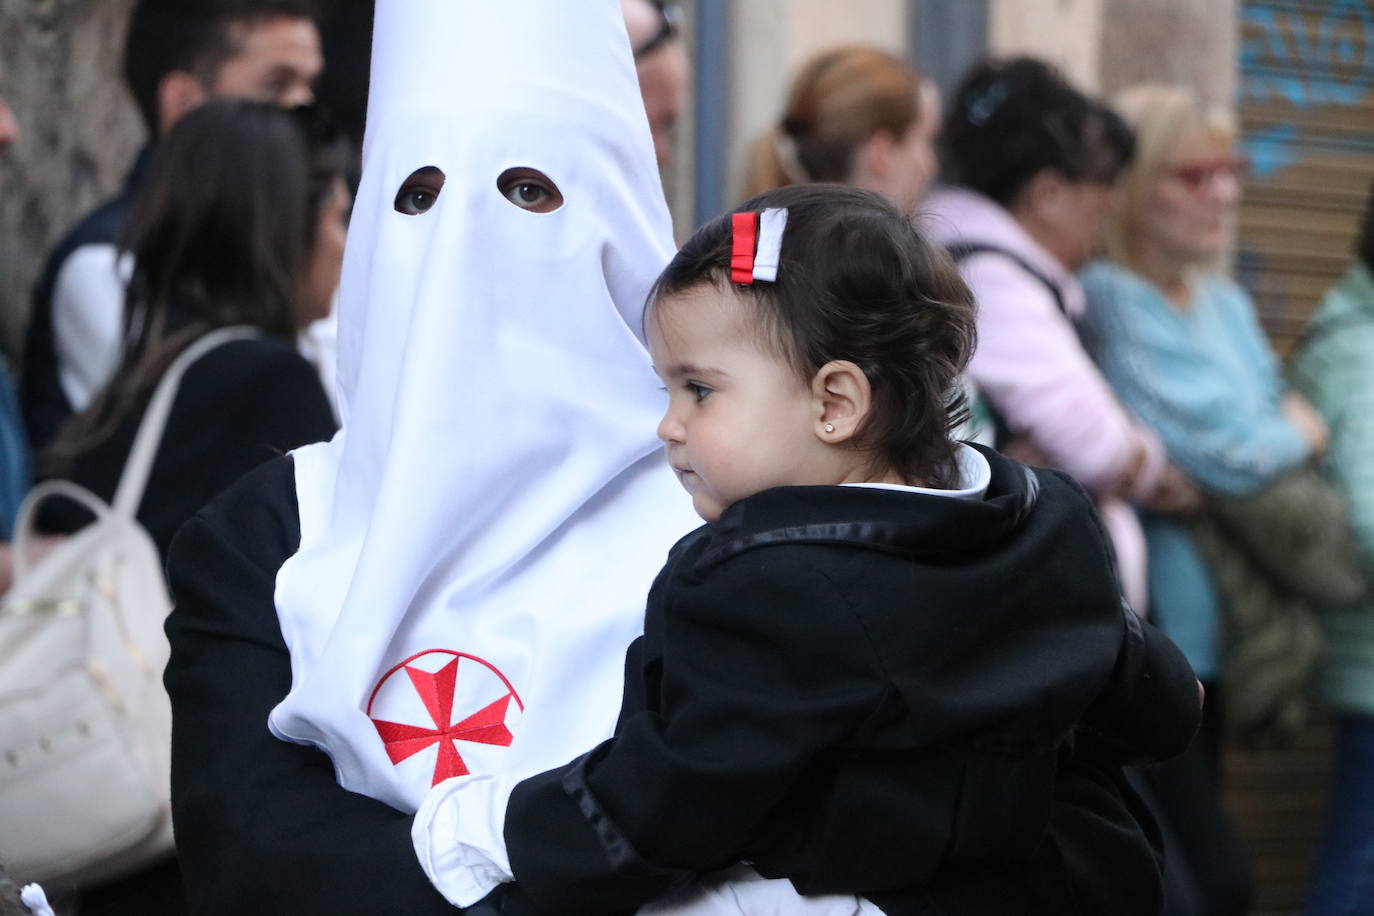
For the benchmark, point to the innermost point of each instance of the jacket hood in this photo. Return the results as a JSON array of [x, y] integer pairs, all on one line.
[[933, 526]]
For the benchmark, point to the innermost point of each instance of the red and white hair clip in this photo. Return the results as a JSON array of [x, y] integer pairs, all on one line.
[[748, 261]]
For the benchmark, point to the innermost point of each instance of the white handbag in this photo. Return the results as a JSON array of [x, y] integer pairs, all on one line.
[[85, 724]]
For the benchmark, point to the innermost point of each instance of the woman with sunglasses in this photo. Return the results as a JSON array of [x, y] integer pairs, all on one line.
[[1180, 343]]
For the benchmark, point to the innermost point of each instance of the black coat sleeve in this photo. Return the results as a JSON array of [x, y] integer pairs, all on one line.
[[1151, 707], [762, 669], [262, 826]]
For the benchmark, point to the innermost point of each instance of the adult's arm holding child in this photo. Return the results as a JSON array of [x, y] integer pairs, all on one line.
[[263, 825]]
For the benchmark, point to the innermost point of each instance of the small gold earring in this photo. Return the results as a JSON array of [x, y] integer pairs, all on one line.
[[830, 427]]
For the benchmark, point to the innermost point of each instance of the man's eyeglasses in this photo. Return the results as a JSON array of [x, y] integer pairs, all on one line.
[[669, 24]]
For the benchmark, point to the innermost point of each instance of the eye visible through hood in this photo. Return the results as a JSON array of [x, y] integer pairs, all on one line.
[[420, 191], [529, 189]]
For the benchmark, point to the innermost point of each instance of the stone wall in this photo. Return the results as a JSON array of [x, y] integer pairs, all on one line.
[[1192, 42], [1067, 33], [59, 70], [1107, 45]]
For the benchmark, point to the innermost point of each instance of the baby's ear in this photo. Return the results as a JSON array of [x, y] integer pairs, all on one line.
[[841, 397]]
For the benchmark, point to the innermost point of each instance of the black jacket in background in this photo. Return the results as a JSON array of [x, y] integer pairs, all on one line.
[[41, 398], [241, 404], [262, 826]]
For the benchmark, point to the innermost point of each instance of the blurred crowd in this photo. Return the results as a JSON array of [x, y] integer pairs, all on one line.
[[1238, 492]]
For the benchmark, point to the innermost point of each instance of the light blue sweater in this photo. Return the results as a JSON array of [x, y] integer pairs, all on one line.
[[1205, 379]]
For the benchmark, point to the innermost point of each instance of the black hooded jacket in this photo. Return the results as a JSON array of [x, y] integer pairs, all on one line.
[[878, 692]]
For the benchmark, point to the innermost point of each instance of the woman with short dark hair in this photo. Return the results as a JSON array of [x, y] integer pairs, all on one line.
[[1033, 162]]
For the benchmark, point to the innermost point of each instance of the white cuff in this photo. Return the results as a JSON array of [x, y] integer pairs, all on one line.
[[459, 836], [35, 901], [741, 891]]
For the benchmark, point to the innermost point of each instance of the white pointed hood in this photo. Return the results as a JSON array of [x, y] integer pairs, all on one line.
[[478, 540]]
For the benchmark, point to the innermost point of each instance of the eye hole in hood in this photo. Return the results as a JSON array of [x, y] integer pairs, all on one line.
[[420, 191], [529, 189]]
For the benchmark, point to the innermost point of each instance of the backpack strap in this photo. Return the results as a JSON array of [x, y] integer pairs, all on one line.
[[959, 251], [134, 480]]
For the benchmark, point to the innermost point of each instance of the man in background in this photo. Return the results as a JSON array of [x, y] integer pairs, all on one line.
[[661, 63], [178, 55], [9, 129]]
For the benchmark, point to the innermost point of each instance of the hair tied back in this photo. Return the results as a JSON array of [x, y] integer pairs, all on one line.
[[789, 157], [988, 101]]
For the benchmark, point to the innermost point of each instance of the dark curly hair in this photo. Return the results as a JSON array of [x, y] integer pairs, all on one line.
[[857, 281], [1012, 119]]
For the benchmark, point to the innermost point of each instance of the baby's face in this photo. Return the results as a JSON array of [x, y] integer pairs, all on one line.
[[739, 420]]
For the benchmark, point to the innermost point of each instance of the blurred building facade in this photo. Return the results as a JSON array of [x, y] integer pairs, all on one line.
[[79, 131], [747, 51], [1296, 72], [1306, 109]]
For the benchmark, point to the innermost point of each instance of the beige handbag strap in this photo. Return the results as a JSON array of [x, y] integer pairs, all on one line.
[[134, 480], [24, 534]]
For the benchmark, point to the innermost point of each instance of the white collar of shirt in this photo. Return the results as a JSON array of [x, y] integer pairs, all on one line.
[[975, 474]]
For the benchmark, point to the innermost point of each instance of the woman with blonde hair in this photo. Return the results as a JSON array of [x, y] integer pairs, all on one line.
[[858, 116], [1181, 345]]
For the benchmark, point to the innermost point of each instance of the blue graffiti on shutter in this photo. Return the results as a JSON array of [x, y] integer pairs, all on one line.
[[1307, 62]]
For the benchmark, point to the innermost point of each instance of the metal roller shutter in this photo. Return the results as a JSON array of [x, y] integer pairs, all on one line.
[[1307, 122]]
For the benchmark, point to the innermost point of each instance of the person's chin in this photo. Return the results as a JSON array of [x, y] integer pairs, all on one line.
[[1208, 249], [707, 508]]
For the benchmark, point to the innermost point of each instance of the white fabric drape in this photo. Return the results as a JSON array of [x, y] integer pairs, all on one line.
[[478, 540]]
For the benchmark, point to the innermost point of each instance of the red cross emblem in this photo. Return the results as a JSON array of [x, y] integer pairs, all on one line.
[[433, 675]]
